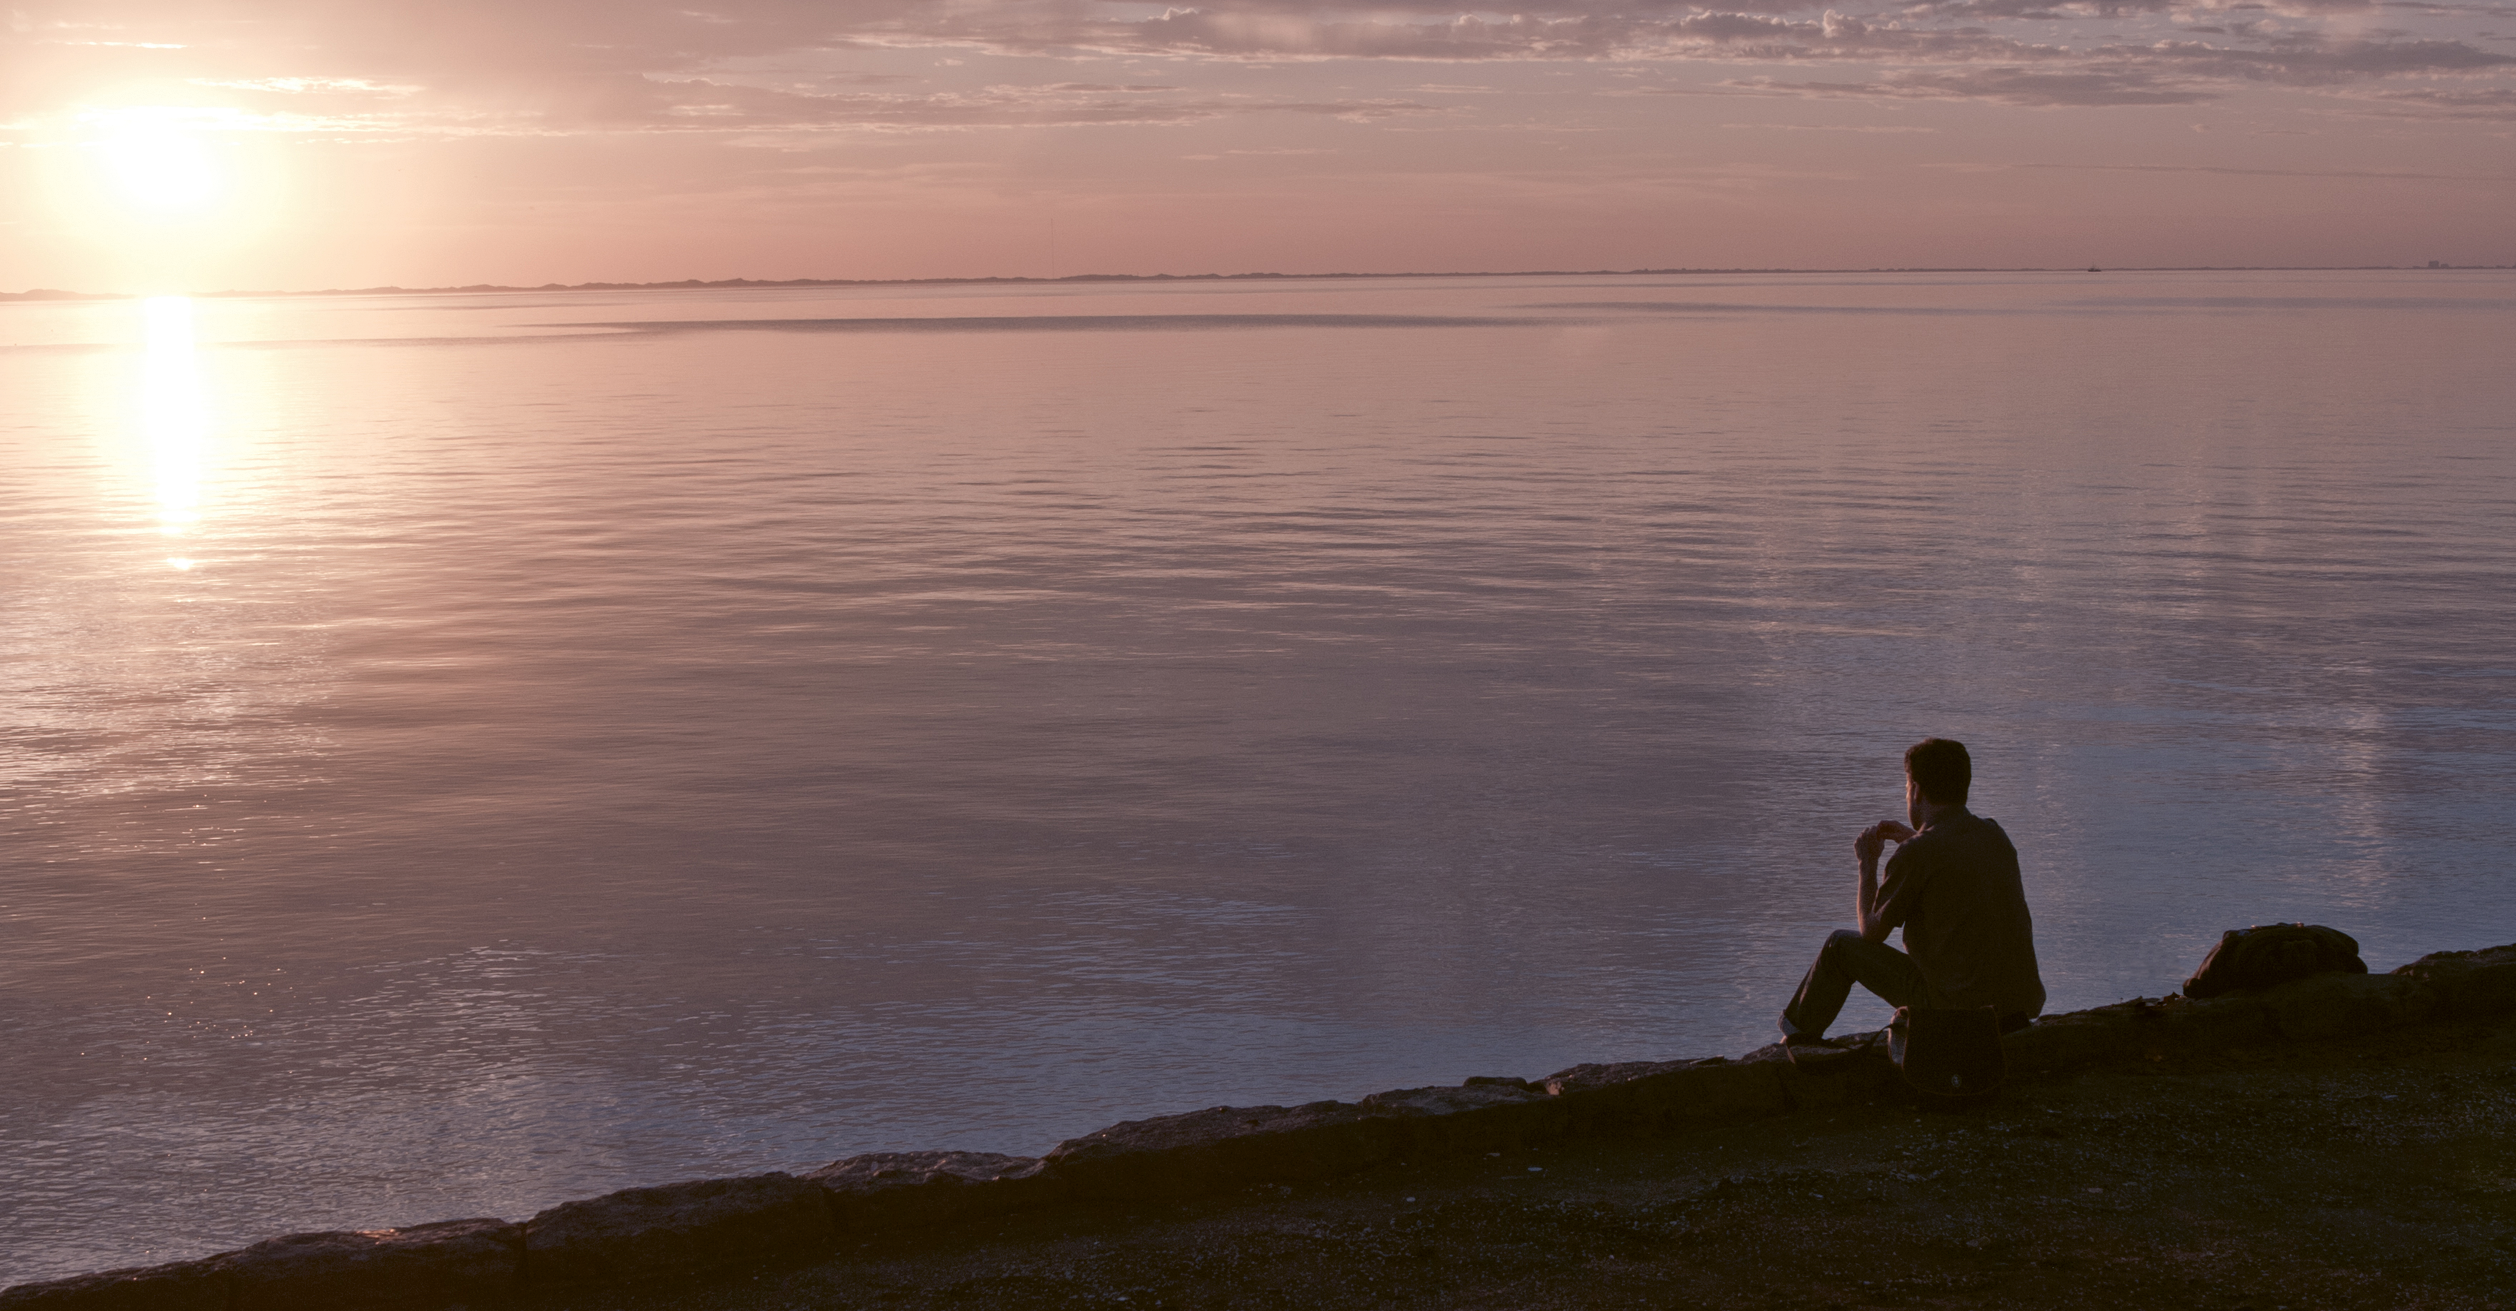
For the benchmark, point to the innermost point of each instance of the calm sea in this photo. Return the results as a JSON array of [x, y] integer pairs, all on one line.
[[468, 752]]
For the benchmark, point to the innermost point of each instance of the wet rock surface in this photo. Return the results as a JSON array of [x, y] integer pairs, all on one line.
[[421, 1268], [2344, 1005], [2468, 984], [451, 1263], [1480, 1116], [1624, 1100], [674, 1230], [898, 1190], [1225, 1147], [176, 1286], [2376, 1172]]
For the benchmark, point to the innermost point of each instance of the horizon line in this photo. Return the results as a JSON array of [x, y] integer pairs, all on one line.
[[698, 284]]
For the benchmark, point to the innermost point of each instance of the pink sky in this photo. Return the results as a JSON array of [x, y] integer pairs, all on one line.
[[205, 144]]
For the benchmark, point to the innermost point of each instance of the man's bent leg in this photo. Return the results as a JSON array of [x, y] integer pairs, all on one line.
[[1849, 958]]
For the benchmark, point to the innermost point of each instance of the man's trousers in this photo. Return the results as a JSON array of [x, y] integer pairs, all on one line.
[[1847, 959]]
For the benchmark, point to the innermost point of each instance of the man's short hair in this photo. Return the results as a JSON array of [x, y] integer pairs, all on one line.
[[1941, 768]]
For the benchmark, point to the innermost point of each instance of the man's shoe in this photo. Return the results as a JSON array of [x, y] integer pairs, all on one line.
[[1812, 1053], [1807, 1051]]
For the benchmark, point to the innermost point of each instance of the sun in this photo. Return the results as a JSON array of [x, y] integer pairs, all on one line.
[[168, 193], [156, 168]]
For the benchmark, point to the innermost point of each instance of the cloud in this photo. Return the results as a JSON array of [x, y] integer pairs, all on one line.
[[701, 104], [1266, 33], [929, 325], [2047, 10], [2494, 105], [562, 65], [1978, 66], [2270, 172], [1831, 127], [2008, 86], [2308, 61]]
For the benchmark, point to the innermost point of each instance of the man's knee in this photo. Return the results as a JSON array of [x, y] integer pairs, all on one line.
[[1845, 940]]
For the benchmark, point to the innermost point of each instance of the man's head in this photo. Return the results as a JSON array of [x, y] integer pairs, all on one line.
[[1938, 771]]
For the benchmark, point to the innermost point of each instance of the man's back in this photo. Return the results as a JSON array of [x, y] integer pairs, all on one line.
[[1955, 890]]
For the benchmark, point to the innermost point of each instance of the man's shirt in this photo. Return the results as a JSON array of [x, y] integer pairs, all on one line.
[[1954, 889]]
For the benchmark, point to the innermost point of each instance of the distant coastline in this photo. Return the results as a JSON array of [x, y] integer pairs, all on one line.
[[772, 284]]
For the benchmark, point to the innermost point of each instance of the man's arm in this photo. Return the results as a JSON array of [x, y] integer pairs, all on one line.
[[1868, 846]]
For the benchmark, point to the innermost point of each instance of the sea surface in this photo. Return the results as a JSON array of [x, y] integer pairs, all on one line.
[[467, 752]]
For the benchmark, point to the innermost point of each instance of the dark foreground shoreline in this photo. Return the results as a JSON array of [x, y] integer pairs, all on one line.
[[2340, 1141], [2366, 1173]]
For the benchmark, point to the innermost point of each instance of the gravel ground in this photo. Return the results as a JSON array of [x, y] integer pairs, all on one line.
[[2377, 1173]]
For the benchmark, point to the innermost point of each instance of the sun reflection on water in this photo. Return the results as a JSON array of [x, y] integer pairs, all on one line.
[[175, 415]]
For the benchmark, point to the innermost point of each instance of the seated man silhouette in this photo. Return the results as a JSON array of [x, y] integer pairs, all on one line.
[[1953, 888]]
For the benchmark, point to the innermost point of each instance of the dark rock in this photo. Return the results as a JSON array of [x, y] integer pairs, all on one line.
[[898, 1190], [1224, 1147], [674, 1229], [1806, 1090], [1590, 1078], [1854, 1062], [2141, 1029], [422, 1268], [2268, 955], [1662, 1096], [1479, 1116], [1716, 1090], [2468, 984], [2072, 1041], [1861, 1074], [181, 1286], [2343, 1005], [2181, 1026]]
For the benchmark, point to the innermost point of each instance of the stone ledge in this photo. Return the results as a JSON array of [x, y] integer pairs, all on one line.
[[1224, 1147], [685, 1228], [1481, 1115], [179, 1286], [2144, 1028], [451, 1263], [675, 1229], [899, 1190], [2468, 983], [422, 1268], [1665, 1096], [2347, 1005]]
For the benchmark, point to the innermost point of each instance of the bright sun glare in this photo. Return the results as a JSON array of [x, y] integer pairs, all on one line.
[[161, 170], [156, 164], [166, 192]]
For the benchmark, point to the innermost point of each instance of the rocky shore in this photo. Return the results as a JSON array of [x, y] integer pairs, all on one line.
[[2337, 1141]]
